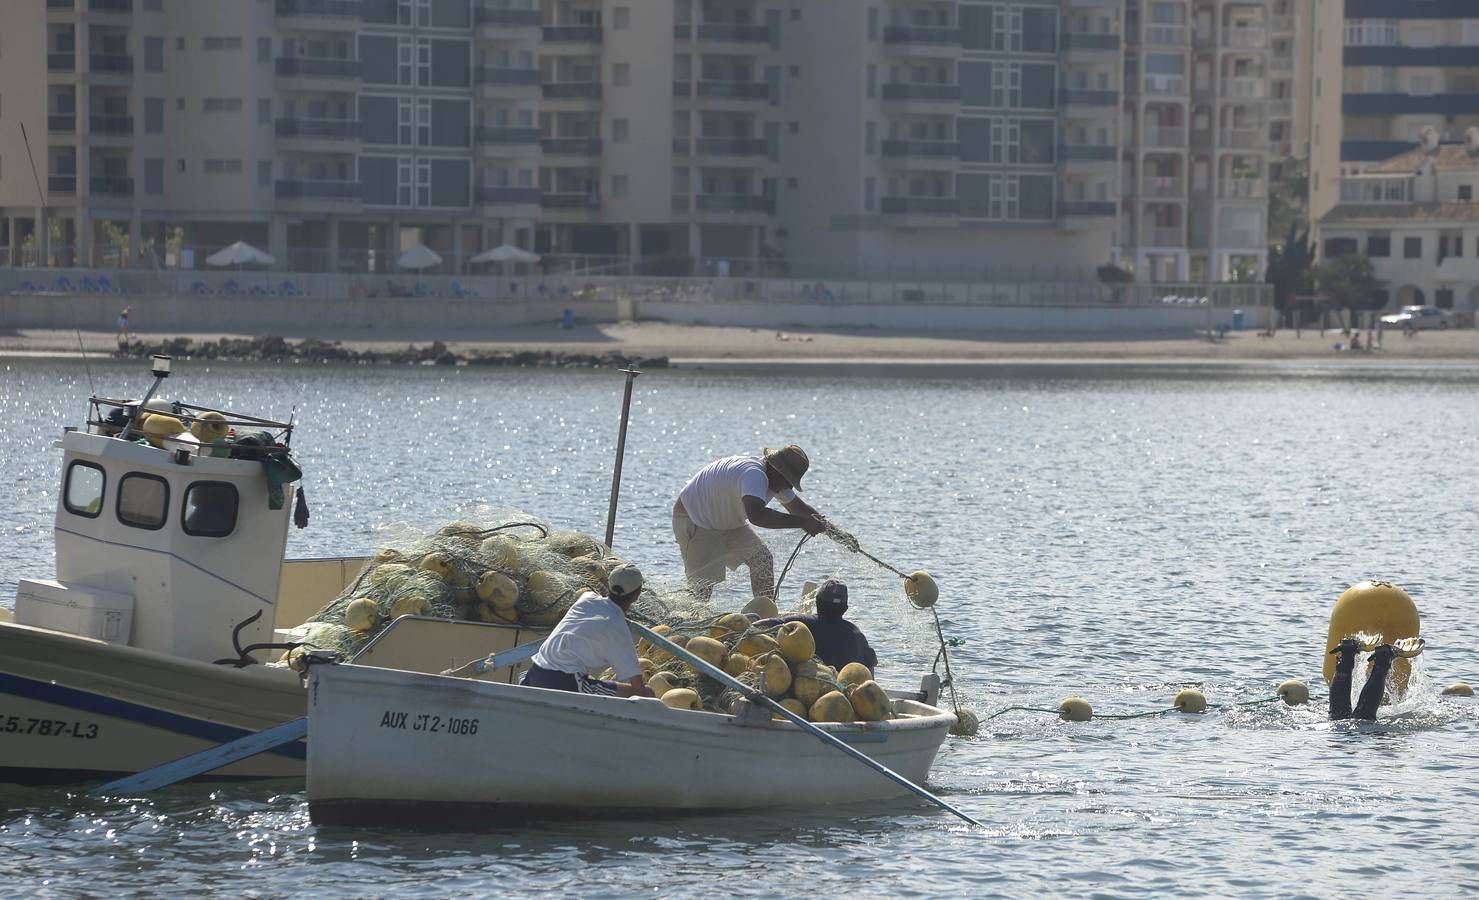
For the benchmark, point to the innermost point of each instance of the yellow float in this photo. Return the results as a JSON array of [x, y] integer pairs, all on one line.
[[497, 590], [755, 645], [854, 673], [796, 643], [776, 674], [921, 589], [210, 426], [661, 683], [709, 650], [438, 564], [1075, 709], [732, 624], [738, 664], [157, 427], [1190, 700], [811, 680], [1376, 608], [410, 603], [1293, 692], [869, 701], [502, 552], [832, 707], [793, 705], [1458, 689], [682, 698], [361, 614]]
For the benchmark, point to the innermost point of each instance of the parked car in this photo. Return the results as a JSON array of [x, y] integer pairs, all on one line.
[[1417, 318]]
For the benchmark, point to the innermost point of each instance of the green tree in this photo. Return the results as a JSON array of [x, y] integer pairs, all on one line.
[[1291, 268], [1350, 283]]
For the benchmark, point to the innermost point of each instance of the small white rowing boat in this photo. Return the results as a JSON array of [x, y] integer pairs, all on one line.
[[388, 745]]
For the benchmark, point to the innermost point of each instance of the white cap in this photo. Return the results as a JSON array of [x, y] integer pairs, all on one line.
[[625, 581]]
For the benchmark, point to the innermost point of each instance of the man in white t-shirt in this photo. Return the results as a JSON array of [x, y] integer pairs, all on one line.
[[713, 517], [591, 637]]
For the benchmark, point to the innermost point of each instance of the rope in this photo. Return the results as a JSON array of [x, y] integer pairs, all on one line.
[[1140, 715], [787, 567]]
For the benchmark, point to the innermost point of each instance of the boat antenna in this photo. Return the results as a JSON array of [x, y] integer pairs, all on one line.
[[46, 230]]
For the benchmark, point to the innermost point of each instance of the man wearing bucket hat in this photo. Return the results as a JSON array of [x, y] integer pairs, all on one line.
[[716, 510]]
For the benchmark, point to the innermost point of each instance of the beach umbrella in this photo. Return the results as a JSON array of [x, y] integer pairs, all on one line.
[[239, 254], [505, 253], [417, 258]]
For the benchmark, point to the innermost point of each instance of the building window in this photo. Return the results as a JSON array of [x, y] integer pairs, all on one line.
[[264, 50], [84, 492], [180, 166], [264, 110], [793, 127], [179, 43], [1412, 248], [222, 167], [209, 509], [621, 18], [264, 171], [153, 115], [153, 54], [870, 193], [621, 75], [221, 43], [1466, 192], [1337, 247], [221, 105], [143, 501], [1443, 298], [620, 131], [618, 186], [1379, 246], [153, 176]]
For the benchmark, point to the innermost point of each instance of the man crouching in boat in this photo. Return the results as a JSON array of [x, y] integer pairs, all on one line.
[[593, 636], [839, 641]]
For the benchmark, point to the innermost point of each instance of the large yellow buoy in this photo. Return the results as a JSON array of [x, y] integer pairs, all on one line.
[[967, 723], [811, 680], [854, 673], [157, 427], [501, 551], [1293, 692], [411, 603], [761, 607], [1190, 700], [497, 590], [732, 624], [921, 589], [1375, 608], [682, 698], [386, 572], [438, 564], [709, 650], [1075, 709], [661, 683], [737, 664], [360, 615], [832, 707], [647, 666], [796, 642], [772, 667], [869, 702], [792, 705], [756, 645], [1458, 689], [210, 426]]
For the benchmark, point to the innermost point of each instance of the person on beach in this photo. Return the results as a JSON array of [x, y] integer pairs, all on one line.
[[839, 641], [124, 338], [593, 635], [715, 512]]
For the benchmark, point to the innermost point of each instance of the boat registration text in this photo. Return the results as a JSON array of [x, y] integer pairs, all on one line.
[[429, 723], [48, 727]]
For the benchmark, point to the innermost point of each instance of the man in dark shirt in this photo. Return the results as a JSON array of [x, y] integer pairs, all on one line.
[[839, 641]]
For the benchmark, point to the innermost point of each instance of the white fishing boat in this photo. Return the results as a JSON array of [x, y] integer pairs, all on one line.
[[170, 591], [386, 745]]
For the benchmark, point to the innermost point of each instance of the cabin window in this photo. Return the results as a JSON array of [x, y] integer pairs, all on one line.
[[210, 509], [143, 501], [84, 493]]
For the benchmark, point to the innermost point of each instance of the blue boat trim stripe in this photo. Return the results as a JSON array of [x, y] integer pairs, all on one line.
[[133, 712], [174, 556]]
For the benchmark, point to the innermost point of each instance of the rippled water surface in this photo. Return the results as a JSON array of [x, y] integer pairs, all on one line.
[[1111, 533]]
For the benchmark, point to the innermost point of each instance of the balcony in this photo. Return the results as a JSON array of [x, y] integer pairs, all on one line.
[[1450, 104], [110, 64], [732, 33], [61, 123], [66, 5], [1281, 24], [318, 15], [61, 62], [1281, 109], [920, 150], [1086, 41], [1155, 236], [581, 200], [117, 126], [313, 73], [571, 34], [1240, 188], [1281, 65], [508, 196], [61, 184], [1243, 88], [1165, 85], [1167, 186], [1088, 98], [494, 17], [1245, 38], [735, 203], [110, 6], [735, 90], [1088, 153], [572, 90], [571, 146], [1167, 36], [917, 93], [920, 206], [733, 146], [496, 136], [110, 187], [682, 146], [1087, 209], [1163, 136], [1244, 138], [319, 192], [341, 129], [910, 38]]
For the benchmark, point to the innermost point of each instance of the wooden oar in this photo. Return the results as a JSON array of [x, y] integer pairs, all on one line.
[[757, 697]]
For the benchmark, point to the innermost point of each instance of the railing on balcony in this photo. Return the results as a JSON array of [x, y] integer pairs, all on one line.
[[682, 89], [348, 129], [60, 4], [106, 186], [571, 34], [319, 67], [61, 62], [1244, 138], [682, 146], [333, 9], [507, 18], [733, 146], [735, 203], [1162, 186], [111, 63], [905, 149], [920, 206], [735, 90], [1088, 152], [1167, 35], [1280, 109], [1281, 65], [110, 6], [572, 146], [61, 123], [498, 75], [1088, 40], [61, 184], [939, 93], [566, 90], [939, 36], [503, 134], [319, 190], [1087, 209], [1154, 236], [1243, 88], [1240, 188], [1252, 38], [121, 125], [1281, 24], [580, 200], [1068, 97], [1163, 136], [733, 32], [509, 195], [1165, 85]]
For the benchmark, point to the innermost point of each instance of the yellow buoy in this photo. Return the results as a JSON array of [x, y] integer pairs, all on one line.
[[411, 603], [210, 426], [386, 572], [778, 680], [501, 552], [157, 427], [709, 650], [1458, 689], [832, 707], [854, 673], [1376, 608], [1190, 700], [497, 589], [682, 698], [438, 564], [1075, 709], [1294, 692], [761, 608], [661, 683], [796, 642], [792, 704], [647, 666], [967, 723], [590, 571], [811, 680], [360, 615], [738, 664], [756, 645], [921, 589], [466, 533], [869, 702], [727, 625]]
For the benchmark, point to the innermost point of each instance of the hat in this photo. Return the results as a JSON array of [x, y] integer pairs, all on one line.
[[790, 461], [832, 598], [624, 581]]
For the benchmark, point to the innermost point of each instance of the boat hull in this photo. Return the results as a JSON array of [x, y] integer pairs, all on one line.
[[388, 745]]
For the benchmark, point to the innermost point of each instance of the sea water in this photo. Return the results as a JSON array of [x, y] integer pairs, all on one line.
[[1114, 533]]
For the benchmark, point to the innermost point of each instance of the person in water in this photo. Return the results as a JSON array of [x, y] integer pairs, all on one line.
[[716, 513], [839, 641], [1375, 688]]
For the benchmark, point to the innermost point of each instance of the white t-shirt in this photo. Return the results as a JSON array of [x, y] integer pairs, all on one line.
[[592, 635], [714, 498]]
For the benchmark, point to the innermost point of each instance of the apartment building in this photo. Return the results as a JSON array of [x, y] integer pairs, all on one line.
[[820, 136], [1383, 71], [1201, 129]]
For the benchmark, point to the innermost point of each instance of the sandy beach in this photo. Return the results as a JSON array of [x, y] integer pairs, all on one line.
[[698, 345]]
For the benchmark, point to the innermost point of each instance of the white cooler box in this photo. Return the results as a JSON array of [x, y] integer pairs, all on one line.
[[75, 609]]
